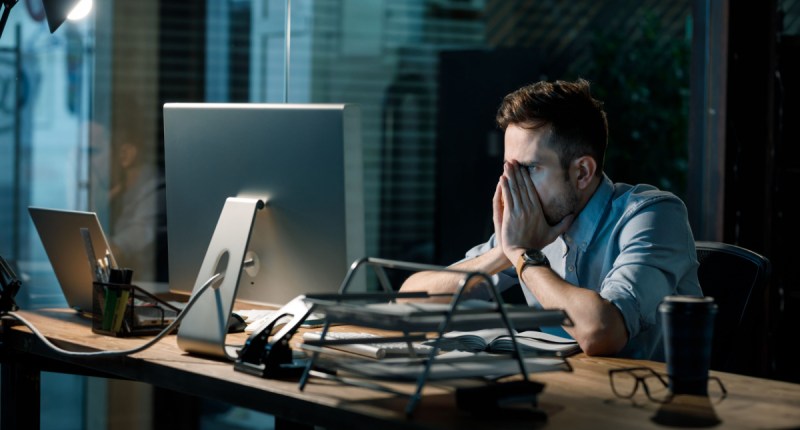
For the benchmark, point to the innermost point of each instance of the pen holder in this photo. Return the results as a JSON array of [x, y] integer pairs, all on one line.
[[127, 310]]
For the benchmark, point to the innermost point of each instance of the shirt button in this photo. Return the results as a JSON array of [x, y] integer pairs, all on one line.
[[571, 268]]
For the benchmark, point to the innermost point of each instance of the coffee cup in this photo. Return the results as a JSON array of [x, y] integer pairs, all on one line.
[[688, 329]]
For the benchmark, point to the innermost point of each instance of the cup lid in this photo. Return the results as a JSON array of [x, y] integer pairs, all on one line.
[[688, 304], [689, 299]]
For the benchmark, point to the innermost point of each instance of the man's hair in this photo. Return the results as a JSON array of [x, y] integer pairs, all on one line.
[[577, 121]]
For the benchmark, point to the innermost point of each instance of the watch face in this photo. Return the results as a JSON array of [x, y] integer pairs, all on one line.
[[535, 256]]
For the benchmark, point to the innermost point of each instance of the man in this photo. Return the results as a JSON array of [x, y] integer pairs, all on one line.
[[606, 253], [138, 216]]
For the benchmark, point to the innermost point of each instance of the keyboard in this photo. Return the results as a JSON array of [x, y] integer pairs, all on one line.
[[372, 350]]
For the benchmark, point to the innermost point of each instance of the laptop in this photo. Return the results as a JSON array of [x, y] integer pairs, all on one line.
[[60, 233]]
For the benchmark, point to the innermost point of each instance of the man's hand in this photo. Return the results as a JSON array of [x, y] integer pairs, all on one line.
[[523, 224], [497, 213]]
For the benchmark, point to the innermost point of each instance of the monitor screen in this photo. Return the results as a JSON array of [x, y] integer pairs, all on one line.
[[304, 159]]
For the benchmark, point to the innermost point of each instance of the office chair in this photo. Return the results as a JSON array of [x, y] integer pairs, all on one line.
[[736, 278]]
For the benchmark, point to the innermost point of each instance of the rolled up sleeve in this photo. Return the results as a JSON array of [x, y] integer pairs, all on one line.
[[654, 255]]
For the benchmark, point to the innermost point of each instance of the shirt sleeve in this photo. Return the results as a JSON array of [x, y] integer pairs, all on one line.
[[656, 247]]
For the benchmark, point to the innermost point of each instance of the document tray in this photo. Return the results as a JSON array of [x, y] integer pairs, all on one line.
[[453, 365], [416, 318], [428, 317]]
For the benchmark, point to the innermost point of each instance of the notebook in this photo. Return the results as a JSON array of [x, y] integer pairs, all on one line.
[[60, 233]]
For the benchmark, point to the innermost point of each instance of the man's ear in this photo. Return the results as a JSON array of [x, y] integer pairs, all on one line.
[[583, 171]]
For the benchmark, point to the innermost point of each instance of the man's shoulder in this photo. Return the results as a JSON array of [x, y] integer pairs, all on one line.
[[633, 197]]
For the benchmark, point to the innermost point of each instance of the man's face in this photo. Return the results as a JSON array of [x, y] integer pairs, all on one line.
[[529, 148]]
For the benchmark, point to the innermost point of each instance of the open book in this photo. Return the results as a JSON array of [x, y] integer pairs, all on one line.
[[497, 340]]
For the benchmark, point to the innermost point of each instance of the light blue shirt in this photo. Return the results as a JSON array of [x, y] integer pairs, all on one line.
[[631, 244]]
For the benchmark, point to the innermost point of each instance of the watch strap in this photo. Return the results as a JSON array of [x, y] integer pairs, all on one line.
[[520, 265]]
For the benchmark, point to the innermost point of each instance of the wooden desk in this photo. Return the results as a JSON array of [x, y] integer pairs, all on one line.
[[579, 399]]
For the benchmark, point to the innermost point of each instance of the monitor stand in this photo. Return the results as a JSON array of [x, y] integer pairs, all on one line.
[[203, 329]]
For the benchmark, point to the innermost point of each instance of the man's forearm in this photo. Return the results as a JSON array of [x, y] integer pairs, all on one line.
[[598, 325], [432, 282]]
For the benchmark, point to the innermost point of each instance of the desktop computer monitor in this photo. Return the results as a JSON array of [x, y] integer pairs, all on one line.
[[304, 159]]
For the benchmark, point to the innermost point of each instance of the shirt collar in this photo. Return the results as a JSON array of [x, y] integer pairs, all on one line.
[[582, 230]]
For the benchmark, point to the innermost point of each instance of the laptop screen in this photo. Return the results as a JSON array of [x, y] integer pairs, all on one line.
[[60, 233]]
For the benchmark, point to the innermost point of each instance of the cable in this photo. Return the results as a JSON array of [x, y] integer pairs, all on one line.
[[167, 330]]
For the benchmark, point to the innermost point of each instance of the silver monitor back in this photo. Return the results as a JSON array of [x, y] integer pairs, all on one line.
[[304, 159]]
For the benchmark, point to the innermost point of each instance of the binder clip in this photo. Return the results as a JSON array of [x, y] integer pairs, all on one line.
[[273, 359]]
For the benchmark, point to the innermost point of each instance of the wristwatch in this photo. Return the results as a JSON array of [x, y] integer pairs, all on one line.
[[531, 257]]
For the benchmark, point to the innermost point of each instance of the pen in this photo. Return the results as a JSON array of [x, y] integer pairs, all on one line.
[[93, 264], [127, 276], [102, 268], [112, 263]]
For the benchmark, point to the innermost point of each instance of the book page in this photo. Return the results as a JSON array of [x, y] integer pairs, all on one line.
[[535, 341], [497, 340], [472, 341]]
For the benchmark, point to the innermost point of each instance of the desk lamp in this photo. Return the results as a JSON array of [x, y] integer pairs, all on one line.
[[6, 6], [57, 11]]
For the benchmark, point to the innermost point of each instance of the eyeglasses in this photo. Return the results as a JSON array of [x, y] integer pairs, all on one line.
[[625, 383]]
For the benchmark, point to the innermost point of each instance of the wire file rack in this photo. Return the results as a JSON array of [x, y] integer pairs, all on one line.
[[423, 321]]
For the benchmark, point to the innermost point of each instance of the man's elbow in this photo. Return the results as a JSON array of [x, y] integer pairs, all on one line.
[[414, 283], [599, 346], [603, 340]]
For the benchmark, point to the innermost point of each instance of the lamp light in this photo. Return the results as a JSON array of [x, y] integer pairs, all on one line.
[[80, 10]]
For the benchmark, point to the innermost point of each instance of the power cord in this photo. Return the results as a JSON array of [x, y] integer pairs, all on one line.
[[167, 330]]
